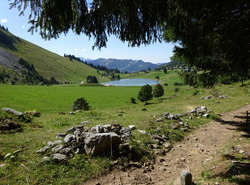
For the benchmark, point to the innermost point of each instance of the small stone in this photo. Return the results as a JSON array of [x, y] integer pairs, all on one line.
[[159, 120], [46, 158], [71, 130], [43, 150], [186, 178], [241, 151], [132, 127], [142, 131], [57, 142], [68, 138], [51, 144], [58, 157], [61, 135], [57, 148]]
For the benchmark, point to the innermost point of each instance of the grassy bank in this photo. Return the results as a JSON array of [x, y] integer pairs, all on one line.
[[106, 102]]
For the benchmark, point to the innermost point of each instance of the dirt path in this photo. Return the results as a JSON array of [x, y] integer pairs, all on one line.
[[202, 146]]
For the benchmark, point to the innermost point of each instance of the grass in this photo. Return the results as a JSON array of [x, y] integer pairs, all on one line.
[[48, 64], [105, 104]]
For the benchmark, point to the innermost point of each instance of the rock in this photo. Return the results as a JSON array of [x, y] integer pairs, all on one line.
[[57, 142], [241, 151], [43, 150], [159, 120], [80, 127], [68, 138], [165, 114], [125, 134], [46, 158], [223, 97], [86, 122], [144, 109], [208, 97], [13, 111], [71, 130], [132, 127], [51, 144], [186, 178], [142, 131], [120, 114], [107, 128], [58, 157], [167, 146], [60, 135], [99, 128], [57, 148], [65, 150], [99, 143], [77, 132]]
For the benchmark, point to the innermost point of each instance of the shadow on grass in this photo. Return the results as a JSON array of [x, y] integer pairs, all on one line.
[[237, 172]]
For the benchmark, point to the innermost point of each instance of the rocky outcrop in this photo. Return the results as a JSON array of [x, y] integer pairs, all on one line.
[[98, 140]]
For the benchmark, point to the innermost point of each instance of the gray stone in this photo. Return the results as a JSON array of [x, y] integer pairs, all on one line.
[[51, 144], [186, 178], [57, 148], [167, 146], [132, 127], [61, 135], [71, 130], [65, 150], [142, 131], [159, 120], [208, 97], [223, 97], [43, 150], [98, 143], [77, 132], [165, 114], [58, 142], [206, 115], [68, 138], [58, 157], [125, 133]]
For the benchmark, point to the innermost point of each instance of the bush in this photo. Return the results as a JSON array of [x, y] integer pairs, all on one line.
[[80, 104], [132, 100], [177, 89]]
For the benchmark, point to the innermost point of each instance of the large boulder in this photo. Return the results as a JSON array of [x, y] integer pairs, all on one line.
[[99, 143]]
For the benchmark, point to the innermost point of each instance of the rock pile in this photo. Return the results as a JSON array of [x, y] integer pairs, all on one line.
[[101, 139]]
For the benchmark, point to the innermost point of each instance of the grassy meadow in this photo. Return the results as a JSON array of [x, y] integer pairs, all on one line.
[[27, 167]]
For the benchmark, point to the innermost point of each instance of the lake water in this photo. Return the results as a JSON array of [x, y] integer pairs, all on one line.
[[131, 82]]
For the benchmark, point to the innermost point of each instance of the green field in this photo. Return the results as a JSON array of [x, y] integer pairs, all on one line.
[[105, 103]]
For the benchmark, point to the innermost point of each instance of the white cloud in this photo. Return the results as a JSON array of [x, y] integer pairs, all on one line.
[[76, 50], [84, 49], [4, 20], [23, 26]]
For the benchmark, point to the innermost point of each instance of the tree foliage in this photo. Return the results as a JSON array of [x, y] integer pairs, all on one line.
[[80, 104], [145, 94], [158, 91], [213, 35], [91, 79]]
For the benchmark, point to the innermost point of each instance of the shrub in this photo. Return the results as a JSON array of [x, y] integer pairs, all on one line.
[[132, 100], [177, 89], [80, 104]]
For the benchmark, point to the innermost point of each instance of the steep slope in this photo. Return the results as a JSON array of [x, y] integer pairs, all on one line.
[[46, 63], [124, 65]]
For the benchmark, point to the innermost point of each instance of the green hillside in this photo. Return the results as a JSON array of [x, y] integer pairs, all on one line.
[[46, 63]]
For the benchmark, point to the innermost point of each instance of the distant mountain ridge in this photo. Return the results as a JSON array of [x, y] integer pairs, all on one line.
[[123, 65]]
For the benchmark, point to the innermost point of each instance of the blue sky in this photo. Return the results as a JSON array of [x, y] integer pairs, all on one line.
[[81, 45]]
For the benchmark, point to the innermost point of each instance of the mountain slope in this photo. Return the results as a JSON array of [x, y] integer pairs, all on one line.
[[46, 63], [124, 65]]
